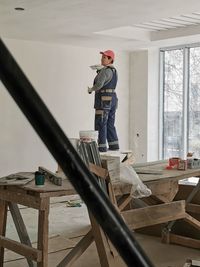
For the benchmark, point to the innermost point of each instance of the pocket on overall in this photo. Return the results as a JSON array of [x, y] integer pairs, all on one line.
[[106, 102]]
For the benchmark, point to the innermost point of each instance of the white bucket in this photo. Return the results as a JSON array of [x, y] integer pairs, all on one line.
[[88, 136]]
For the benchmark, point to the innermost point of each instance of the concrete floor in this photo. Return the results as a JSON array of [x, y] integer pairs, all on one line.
[[66, 227]]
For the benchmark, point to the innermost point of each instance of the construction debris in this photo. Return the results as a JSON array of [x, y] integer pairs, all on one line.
[[192, 263]]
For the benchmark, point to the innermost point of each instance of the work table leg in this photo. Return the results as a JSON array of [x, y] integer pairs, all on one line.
[[43, 233], [3, 219], [20, 227]]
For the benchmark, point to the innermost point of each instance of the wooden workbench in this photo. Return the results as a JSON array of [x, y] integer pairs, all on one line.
[[32, 197], [158, 208], [38, 198], [162, 207]]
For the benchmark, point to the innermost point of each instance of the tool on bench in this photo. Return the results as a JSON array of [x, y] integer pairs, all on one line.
[[52, 177], [20, 178]]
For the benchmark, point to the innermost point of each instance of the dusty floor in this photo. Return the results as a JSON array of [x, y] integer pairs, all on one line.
[[68, 224]]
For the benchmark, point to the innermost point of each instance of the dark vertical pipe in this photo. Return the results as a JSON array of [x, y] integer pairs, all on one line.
[[60, 147]]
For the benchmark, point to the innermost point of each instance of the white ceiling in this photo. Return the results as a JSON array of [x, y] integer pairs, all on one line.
[[122, 24]]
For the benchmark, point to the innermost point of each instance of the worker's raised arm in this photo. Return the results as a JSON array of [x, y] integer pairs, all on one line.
[[102, 78]]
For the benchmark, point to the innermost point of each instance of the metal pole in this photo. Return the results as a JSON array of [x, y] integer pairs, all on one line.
[[64, 153]]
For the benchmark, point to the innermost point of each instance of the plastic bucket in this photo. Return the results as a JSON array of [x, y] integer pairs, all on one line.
[[88, 136]]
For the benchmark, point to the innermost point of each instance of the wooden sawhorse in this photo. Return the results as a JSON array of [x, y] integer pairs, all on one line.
[[39, 198], [10, 197]]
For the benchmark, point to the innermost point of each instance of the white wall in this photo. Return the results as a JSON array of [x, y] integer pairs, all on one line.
[[153, 105], [144, 66], [60, 74], [138, 104]]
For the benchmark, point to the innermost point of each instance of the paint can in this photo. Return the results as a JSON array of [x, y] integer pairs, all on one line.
[[39, 178], [173, 162], [88, 136]]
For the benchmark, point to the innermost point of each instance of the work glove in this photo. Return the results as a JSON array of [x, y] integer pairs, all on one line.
[[89, 90]]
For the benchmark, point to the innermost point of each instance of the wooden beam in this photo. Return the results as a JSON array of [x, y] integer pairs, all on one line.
[[78, 250], [3, 219], [99, 171], [43, 232], [167, 188], [26, 251], [20, 227], [194, 208], [106, 255], [184, 241], [152, 215], [195, 223], [125, 202], [21, 198]]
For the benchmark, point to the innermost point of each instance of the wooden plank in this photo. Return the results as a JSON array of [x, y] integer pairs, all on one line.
[[195, 223], [152, 215], [99, 171], [161, 199], [151, 200], [172, 191], [19, 224], [78, 250], [43, 232], [20, 227], [165, 191], [150, 163], [112, 164], [184, 241], [57, 194], [113, 199], [194, 208], [169, 174], [24, 250], [121, 188], [20, 198], [163, 187], [106, 256], [3, 219], [125, 202], [112, 195]]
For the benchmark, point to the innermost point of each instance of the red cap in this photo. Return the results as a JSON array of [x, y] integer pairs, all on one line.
[[109, 53]]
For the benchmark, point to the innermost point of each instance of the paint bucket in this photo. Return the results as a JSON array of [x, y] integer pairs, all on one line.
[[88, 136]]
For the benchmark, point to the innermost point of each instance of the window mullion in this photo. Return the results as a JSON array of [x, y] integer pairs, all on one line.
[[161, 104], [185, 102]]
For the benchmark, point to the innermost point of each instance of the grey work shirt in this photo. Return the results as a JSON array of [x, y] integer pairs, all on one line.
[[103, 77]]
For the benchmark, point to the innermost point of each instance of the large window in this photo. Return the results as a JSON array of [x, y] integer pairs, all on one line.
[[180, 91]]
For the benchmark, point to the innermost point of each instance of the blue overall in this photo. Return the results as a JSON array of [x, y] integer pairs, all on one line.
[[105, 107]]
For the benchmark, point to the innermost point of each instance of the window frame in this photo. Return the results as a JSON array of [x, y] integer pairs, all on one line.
[[186, 79]]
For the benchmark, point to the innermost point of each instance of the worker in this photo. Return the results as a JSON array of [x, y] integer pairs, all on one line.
[[105, 102]]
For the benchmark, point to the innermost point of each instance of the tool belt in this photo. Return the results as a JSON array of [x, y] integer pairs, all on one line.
[[107, 91]]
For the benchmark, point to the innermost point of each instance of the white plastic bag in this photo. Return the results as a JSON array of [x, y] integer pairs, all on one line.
[[128, 175]]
